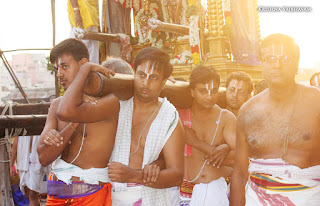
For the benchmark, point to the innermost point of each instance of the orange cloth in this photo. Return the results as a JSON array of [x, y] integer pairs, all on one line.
[[100, 198]]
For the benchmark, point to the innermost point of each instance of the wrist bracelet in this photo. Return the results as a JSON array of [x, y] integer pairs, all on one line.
[[76, 9]]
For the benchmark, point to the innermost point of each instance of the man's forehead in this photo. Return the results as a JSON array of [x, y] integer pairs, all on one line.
[[149, 67], [278, 49], [208, 85], [238, 84]]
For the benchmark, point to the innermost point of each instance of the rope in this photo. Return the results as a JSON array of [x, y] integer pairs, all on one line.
[[14, 132]]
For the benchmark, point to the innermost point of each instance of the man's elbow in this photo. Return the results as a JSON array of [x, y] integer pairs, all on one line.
[[64, 115], [42, 159], [179, 179]]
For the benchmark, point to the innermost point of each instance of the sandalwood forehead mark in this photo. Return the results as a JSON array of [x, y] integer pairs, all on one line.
[[58, 63], [209, 90], [273, 53], [146, 69]]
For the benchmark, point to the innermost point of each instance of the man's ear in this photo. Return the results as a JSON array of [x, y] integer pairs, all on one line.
[[164, 83], [83, 61], [192, 92]]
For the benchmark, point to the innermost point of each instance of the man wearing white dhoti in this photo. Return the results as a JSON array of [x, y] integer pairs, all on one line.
[[279, 130], [148, 128], [210, 135], [31, 172]]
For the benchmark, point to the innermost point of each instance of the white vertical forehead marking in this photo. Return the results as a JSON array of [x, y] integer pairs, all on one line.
[[146, 70], [282, 50]]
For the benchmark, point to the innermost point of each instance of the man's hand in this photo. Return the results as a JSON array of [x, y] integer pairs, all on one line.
[[119, 172], [98, 68], [78, 19], [217, 155], [53, 137], [12, 172], [189, 135], [150, 173]]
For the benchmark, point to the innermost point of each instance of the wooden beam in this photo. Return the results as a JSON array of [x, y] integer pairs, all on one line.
[[25, 109], [172, 28], [32, 123], [102, 37]]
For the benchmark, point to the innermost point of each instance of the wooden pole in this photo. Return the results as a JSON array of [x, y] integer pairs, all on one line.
[[6, 192], [32, 123], [25, 109]]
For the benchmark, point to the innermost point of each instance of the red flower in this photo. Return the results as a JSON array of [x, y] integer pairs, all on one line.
[[195, 49]]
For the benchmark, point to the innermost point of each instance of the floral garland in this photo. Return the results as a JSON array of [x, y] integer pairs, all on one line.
[[135, 4], [145, 35], [183, 58], [194, 38]]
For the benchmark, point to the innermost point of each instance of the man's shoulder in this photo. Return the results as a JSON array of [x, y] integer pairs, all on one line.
[[55, 103]]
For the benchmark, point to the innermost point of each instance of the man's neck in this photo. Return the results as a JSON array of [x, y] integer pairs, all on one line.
[[138, 103], [234, 111], [197, 110], [283, 93]]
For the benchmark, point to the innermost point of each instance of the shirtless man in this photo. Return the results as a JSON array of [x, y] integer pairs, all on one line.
[[210, 131], [76, 143], [148, 128], [238, 90], [278, 145]]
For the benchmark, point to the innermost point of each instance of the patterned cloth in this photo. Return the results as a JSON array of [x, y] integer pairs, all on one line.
[[78, 193], [159, 132], [275, 182], [185, 116]]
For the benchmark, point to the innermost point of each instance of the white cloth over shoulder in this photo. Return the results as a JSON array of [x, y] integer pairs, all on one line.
[[31, 172], [275, 182], [65, 171], [214, 193], [159, 132]]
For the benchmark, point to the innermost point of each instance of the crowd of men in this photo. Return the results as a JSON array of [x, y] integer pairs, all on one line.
[[145, 151]]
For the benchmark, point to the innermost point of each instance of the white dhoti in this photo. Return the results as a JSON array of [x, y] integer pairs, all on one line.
[[131, 197], [274, 182], [31, 172], [210, 194]]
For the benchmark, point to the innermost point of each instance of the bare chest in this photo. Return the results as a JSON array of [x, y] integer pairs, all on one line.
[[271, 128]]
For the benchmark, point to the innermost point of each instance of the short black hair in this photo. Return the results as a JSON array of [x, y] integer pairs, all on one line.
[[157, 56], [280, 39], [76, 48], [240, 76], [203, 74]]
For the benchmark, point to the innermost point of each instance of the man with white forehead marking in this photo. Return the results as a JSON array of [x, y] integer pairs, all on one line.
[[210, 137], [238, 90], [79, 177], [148, 129], [278, 142]]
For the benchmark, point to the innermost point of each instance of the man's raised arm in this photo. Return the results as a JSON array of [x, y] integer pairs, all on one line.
[[73, 108], [52, 143]]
